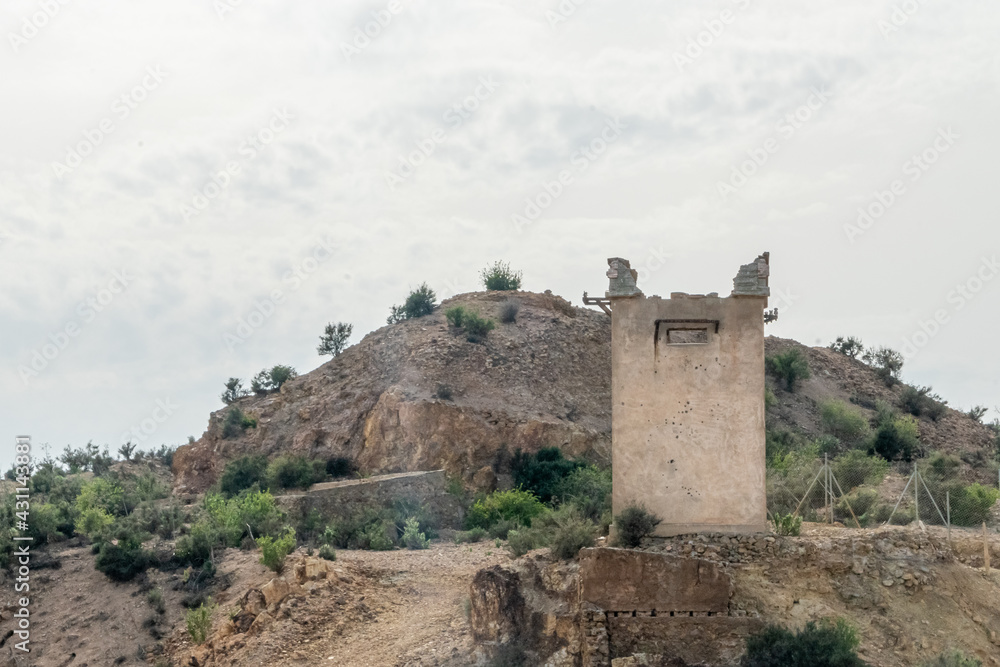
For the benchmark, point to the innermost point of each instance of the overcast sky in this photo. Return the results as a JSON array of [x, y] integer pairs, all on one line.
[[169, 168]]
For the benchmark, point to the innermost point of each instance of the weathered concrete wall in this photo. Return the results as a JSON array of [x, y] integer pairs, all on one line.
[[345, 497], [625, 580], [718, 641], [688, 409]]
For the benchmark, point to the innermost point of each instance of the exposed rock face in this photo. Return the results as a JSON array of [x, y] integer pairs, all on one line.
[[541, 381]]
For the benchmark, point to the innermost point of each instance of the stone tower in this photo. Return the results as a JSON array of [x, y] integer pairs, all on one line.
[[688, 402]]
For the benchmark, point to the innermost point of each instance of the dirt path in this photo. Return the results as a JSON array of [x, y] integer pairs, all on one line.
[[385, 608], [425, 622]]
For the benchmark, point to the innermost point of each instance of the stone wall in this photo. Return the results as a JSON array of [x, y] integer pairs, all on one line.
[[614, 603], [688, 406], [348, 496]]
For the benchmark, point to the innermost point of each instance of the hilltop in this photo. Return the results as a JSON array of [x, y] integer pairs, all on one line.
[[417, 395]]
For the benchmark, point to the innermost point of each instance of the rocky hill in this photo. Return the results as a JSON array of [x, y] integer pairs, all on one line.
[[417, 396]]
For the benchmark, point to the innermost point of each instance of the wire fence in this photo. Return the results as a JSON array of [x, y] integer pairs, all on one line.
[[858, 491]]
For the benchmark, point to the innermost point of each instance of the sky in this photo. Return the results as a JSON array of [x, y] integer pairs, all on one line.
[[190, 190]]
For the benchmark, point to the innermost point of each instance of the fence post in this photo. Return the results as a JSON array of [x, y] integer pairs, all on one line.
[[986, 550], [916, 492], [947, 500]]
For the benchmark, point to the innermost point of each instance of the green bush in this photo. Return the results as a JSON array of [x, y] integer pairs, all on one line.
[[828, 644], [587, 488], [952, 658], [197, 547], [252, 512], [850, 346], [243, 473], [502, 528], [236, 422], [93, 523], [569, 533], [274, 550], [787, 524], [970, 505], [412, 538], [122, 561], [888, 363], [102, 494], [920, 401], [770, 400], [509, 310], [418, 303], [896, 439], [474, 535], [155, 599], [855, 468], [860, 501], [340, 466], [516, 504], [271, 379], [87, 458], [476, 328], [455, 316], [294, 472], [199, 622], [543, 472], [790, 367], [327, 552], [634, 523], [844, 420], [499, 276], [523, 540]]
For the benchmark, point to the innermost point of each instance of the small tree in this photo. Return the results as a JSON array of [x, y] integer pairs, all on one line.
[[887, 363], [271, 379], [418, 303], [126, 450], [234, 391], [850, 346], [977, 412], [500, 277], [334, 338], [789, 366]]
